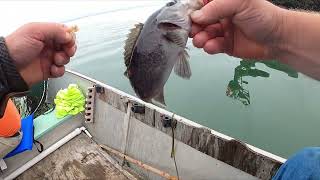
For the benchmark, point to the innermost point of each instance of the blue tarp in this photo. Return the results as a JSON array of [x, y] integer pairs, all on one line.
[[27, 137], [304, 165]]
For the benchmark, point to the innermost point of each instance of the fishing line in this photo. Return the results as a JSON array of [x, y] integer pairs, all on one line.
[[44, 92], [45, 87]]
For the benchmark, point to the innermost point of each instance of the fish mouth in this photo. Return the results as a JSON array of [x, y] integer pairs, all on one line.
[[168, 26]]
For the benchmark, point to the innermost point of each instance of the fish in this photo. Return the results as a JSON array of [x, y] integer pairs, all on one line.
[[154, 48]]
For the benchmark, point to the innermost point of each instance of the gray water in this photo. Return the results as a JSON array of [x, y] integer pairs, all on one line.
[[276, 110]]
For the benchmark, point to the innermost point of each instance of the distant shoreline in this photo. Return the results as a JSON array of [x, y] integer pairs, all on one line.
[[311, 5]]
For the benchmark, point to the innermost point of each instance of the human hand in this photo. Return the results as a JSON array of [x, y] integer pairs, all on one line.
[[241, 28], [40, 50]]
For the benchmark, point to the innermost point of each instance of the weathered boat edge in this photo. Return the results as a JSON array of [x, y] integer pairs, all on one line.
[[245, 157], [185, 120]]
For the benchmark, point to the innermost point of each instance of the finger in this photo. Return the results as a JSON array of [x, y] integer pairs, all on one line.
[[61, 59], [70, 51], [214, 30], [195, 28], [200, 39], [54, 31], [228, 35], [73, 40], [214, 46], [56, 71], [209, 32], [216, 10], [71, 47]]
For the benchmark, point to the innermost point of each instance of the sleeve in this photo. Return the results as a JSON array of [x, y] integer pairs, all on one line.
[[11, 82]]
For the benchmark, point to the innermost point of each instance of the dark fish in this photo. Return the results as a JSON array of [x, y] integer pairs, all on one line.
[[153, 49]]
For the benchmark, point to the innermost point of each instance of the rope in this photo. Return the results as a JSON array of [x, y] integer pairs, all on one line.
[[173, 153]]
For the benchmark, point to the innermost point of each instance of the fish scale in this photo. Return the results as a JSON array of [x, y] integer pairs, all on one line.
[[154, 48]]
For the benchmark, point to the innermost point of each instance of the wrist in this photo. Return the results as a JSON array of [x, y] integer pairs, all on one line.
[[298, 44], [11, 77], [279, 40], [28, 76], [281, 46], [293, 35], [11, 49]]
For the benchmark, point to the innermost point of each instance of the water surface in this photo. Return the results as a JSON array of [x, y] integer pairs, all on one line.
[[264, 104]]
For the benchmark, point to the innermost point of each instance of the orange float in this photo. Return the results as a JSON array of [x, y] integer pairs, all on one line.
[[10, 123]]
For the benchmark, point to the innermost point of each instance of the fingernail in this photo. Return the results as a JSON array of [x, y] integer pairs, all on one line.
[[196, 14]]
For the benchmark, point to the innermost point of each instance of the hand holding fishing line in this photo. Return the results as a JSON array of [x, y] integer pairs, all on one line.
[[239, 28], [257, 29], [40, 50]]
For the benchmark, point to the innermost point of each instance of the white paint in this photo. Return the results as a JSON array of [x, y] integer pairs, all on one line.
[[3, 165], [153, 147], [45, 153], [87, 132], [180, 118], [268, 154], [126, 124]]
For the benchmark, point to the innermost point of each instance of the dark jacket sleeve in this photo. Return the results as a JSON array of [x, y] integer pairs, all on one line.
[[11, 83]]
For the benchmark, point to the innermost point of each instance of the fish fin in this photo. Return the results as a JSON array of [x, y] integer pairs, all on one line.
[[163, 106], [126, 73], [182, 66], [131, 42], [160, 98], [176, 38]]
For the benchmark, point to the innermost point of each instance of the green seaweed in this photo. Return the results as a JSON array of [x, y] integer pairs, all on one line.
[[236, 87]]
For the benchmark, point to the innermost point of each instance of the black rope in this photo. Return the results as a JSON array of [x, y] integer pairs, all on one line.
[[40, 149], [35, 142]]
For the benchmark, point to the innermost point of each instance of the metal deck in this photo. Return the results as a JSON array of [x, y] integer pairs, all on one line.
[[80, 158]]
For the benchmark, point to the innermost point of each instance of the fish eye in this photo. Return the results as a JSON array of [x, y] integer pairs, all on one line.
[[171, 3]]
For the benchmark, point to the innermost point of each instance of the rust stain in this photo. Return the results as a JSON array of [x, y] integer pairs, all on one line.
[[87, 156], [234, 153]]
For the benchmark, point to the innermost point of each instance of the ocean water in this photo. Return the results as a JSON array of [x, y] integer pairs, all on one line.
[[267, 105]]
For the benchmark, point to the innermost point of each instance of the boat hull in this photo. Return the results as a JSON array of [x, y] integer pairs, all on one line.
[[200, 153]]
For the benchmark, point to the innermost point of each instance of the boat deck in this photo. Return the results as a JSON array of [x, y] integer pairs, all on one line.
[[80, 158]]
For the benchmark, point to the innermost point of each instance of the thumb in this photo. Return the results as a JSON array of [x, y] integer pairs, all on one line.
[[56, 32], [216, 10]]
